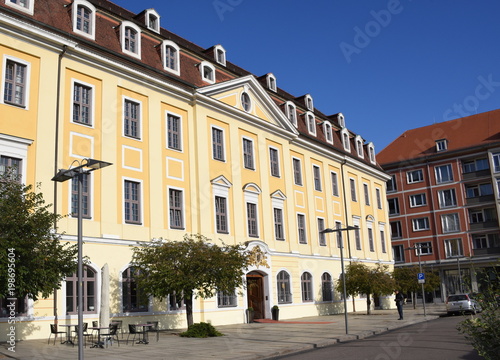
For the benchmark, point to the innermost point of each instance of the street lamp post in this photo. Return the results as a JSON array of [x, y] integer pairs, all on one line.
[[84, 167], [418, 247], [329, 230]]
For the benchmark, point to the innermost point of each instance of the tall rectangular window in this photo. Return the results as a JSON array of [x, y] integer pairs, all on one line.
[[15, 83], [274, 162], [450, 223], [367, 194], [174, 132], [85, 196], [301, 225], [221, 214], [176, 211], [382, 241], [253, 230], [370, 240], [132, 202], [84, 19], [131, 121], [396, 232], [297, 172], [453, 247], [335, 184], [82, 104], [353, 190], [317, 178], [496, 162], [391, 184], [357, 236], [218, 144], [447, 198], [278, 224], [379, 199], [393, 206], [131, 40], [398, 253], [321, 227], [338, 225], [248, 160]]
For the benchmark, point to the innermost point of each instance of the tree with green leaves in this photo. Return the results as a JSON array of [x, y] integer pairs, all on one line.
[[33, 260], [362, 279], [193, 267], [406, 279]]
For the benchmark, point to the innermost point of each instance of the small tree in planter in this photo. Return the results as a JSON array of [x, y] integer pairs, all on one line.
[[275, 311], [250, 315]]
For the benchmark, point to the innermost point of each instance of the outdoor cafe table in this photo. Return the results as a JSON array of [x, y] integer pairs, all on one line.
[[99, 343], [144, 339], [68, 333]]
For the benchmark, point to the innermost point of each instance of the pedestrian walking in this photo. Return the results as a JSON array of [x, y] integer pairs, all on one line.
[[399, 303]]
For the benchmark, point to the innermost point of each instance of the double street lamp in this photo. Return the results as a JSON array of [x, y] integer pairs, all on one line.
[[341, 243], [84, 167]]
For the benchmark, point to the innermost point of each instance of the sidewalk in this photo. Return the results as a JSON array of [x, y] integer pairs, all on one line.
[[241, 341]]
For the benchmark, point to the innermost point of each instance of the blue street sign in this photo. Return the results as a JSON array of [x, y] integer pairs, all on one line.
[[421, 278]]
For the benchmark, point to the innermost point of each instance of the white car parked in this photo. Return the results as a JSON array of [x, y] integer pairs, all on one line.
[[461, 303]]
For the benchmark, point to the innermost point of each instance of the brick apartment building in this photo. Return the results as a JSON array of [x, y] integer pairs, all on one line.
[[444, 199]]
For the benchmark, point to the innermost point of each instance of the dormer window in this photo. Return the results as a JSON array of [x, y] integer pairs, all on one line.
[[327, 129], [371, 152], [341, 120], [359, 146], [291, 112], [246, 103], [170, 55], [207, 71], [311, 123], [130, 36], [441, 145], [23, 5], [220, 55], [309, 102], [271, 82], [345, 139], [152, 20], [83, 15]]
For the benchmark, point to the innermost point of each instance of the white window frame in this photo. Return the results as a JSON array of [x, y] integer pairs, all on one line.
[[318, 186], [441, 145], [123, 26], [449, 247], [442, 198], [223, 134], [252, 197], [427, 250], [439, 173], [311, 122], [335, 183], [149, 13], [495, 159], [74, 12], [354, 191], [124, 99], [243, 153], [27, 9], [327, 129], [183, 195], [292, 117], [418, 200], [16, 147], [366, 190], [220, 188], [278, 202], [250, 105], [165, 43], [309, 102], [303, 215], [202, 66], [27, 81], [218, 49], [371, 153], [359, 146], [92, 102], [449, 226], [410, 178], [141, 185], [181, 131], [417, 226], [273, 148], [271, 82], [321, 236], [378, 193], [344, 135]]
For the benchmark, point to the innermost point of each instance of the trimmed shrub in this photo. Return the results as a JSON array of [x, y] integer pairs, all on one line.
[[201, 330]]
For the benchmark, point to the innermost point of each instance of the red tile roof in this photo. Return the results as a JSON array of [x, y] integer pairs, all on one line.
[[463, 133]]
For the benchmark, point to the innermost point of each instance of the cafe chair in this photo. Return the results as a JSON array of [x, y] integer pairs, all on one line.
[[84, 333], [120, 325], [132, 330], [111, 335], [155, 328], [53, 330]]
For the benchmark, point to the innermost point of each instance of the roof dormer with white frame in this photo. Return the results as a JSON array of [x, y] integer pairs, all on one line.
[[152, 20]]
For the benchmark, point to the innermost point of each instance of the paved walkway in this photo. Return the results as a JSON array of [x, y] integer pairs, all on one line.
[[241, 341]]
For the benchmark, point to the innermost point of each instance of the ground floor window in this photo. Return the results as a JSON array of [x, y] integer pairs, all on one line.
[[284, 290], [89, 292], [226, 300]]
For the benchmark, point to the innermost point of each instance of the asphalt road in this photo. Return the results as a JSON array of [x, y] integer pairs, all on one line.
[[431, 340]]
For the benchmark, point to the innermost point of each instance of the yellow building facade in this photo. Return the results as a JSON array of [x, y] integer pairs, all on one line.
[[197, 146]]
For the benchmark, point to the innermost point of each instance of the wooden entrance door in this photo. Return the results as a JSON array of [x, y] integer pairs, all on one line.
[[255, 294]]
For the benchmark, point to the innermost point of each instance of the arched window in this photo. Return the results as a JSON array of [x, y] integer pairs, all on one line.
[[306, 286], [170, 53], [89, 280], [133, 298], [327, 287], [130, 36], [284, 288], [207, 71]]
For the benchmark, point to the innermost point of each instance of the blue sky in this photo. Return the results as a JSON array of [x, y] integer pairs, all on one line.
[[388, 66]]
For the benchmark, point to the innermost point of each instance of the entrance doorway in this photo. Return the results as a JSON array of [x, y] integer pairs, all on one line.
[[255, 294]]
